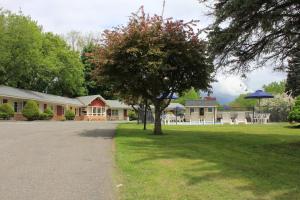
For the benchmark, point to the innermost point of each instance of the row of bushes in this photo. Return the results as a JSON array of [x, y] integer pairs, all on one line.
[[31, 112]]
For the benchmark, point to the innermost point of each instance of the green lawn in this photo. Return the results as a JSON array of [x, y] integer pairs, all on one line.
[[209, 162]]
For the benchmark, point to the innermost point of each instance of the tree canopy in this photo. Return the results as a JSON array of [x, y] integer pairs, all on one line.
[[275, 87], [190, 94], [247, 31], [35, 60], [152, 58]]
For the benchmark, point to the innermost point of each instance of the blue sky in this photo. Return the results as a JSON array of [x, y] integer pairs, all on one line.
[[62, 16]]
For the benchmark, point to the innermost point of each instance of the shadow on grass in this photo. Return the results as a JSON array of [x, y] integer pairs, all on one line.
[[102, 133], [269, 162]]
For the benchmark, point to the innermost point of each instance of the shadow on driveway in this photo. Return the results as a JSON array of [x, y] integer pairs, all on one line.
[[103, 133]]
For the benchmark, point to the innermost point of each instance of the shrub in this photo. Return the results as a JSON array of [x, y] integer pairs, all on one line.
[[294, 115], [49, 113], [69, 115], [6, 111], [43, 116], [31, 111], [3, 115], [132, 115]]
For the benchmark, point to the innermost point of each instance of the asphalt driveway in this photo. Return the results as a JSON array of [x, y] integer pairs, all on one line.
[[56, 160]]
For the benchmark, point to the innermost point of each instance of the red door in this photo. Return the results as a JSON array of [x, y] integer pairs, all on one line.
[[59, 110]]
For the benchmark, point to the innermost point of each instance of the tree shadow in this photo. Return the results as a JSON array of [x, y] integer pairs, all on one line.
[[270, 163], [102, 133]]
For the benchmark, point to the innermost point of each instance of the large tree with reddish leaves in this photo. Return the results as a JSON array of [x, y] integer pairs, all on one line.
[[152, 58]]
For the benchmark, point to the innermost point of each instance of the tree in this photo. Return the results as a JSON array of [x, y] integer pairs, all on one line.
[[293, 76], [294, 115], [254, 30], [153, 58], [90, 83], [190, 94], [275, 87], [240, 101], [35, 60]]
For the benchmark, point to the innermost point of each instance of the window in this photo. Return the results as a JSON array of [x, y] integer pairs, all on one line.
[[24, 103], [5, 101], [94, 111], [16, 106], [209, 109], [45, 107], [201, 111], [114, 113], [192, 110]]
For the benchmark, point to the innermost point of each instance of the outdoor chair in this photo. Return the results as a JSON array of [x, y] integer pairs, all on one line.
[[240, 118], [226, 118]]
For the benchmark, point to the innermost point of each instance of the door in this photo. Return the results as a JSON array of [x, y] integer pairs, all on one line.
[[59, 110]]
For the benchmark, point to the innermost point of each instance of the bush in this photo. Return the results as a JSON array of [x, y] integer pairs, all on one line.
[[49, 113], [6, 111], [294, 115], [31, 111], [132, 115], [44, 116], [3, 115], [69, 115]]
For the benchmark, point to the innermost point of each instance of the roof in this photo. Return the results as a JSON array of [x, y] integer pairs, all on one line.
[[86, 100], [200, 103], [173, 106], [116, 104], [37, 96]]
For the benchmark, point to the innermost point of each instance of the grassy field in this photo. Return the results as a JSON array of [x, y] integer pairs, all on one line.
[[209, 162]]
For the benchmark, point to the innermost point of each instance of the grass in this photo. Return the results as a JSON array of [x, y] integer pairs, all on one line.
[[244, 162]]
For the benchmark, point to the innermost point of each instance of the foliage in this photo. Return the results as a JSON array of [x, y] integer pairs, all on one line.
[[209, 162], [31, 110], [49, 112], [35, 60], [240, 101], [246, 31], [294, 115], [275, 87], [190, 94], [293, 76], [152, 59], [69, 115], [6, 111], [46, 115], [132, 115], [104, 88], [279, 107]]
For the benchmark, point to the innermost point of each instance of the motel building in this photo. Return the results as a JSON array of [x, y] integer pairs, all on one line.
[[89, 108]]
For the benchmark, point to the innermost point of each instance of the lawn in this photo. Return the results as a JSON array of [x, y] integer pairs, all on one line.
[[209, 162]]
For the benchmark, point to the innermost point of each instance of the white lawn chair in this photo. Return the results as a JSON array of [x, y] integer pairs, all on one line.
[[226, 118], [240, 118]]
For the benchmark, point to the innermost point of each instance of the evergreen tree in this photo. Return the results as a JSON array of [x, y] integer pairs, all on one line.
[[293, 77]]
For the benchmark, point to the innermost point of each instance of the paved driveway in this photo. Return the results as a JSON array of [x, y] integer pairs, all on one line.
[[56, 160]]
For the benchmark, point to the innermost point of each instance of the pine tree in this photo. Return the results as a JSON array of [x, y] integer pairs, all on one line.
[[293, 77]]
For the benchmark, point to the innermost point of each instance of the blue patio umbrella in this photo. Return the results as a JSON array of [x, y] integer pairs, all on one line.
[[259, 94]]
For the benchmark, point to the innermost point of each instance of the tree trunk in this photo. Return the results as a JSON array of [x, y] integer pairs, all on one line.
[[145, 116], [157, 122]]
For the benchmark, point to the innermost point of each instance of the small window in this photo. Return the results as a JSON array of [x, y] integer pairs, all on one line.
[[192, 110], [5, 100], [209, 109], [115, 112]]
